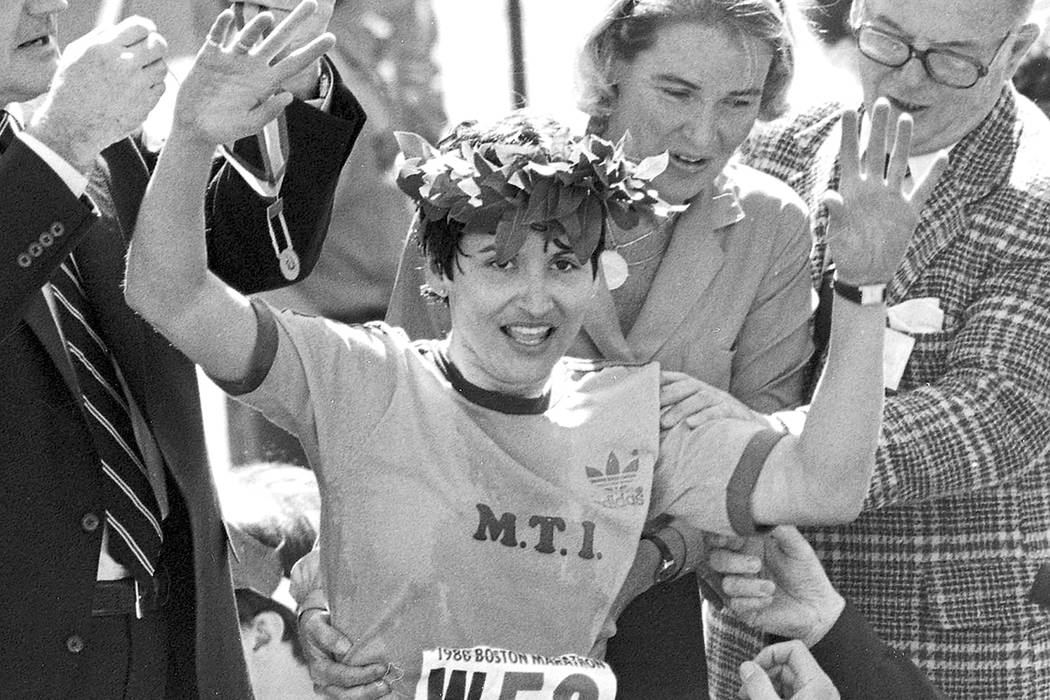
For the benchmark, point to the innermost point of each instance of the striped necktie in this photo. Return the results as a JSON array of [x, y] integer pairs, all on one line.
[[132, 513]]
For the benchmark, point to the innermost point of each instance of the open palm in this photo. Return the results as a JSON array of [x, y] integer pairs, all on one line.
[[234, 86], [874, 213]]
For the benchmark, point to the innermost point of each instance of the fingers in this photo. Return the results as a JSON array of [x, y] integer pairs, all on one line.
[[280, 37], [726, 561], [733, 542], [220, 28], [321, 638], [836, 213], [673, 391], [301, 58], [797, 659], [246, 39], [669, 376], [327, 649], [137, 42], [897, 168], [131, 30], [753, 593], [875, 156], [792, 542], [366, 683], [270, 5], [693, 411], [849, 149], [757, 685]]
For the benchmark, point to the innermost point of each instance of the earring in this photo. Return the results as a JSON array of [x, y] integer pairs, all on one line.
[[433, 293]]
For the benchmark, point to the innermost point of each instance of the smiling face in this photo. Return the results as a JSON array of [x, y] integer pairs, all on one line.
[[972, 28], [28, 47], [695, 93], [511, 323]]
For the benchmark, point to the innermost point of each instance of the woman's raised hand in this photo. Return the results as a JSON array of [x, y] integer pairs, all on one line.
[[875, 211], [235, 85]]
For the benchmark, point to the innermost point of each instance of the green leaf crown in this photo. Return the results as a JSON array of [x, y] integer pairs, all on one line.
[[566, 186]]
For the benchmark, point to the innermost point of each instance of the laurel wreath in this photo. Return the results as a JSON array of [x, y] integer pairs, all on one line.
[[565, 186]]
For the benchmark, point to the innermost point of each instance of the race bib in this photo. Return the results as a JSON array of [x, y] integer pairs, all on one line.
[[486, 673]]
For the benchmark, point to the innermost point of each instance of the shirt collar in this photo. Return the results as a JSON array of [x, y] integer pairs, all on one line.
[[918, 166]]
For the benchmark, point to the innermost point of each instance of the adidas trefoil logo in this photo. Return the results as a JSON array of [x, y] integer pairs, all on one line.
[[615, 482]]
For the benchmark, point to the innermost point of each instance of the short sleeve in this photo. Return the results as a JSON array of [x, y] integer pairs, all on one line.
[[262, 354], [706, 475], [312, 376]]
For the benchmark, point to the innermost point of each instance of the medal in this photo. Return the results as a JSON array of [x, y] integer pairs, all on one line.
[[266, 182], [614, 268]]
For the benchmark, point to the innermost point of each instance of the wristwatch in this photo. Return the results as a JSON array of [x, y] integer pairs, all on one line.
[[864, 294], [669, 568]]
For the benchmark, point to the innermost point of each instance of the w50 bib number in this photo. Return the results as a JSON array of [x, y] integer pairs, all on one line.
[[486, 673]]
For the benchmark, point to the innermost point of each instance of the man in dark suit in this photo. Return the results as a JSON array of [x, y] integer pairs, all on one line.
[[89, 608]]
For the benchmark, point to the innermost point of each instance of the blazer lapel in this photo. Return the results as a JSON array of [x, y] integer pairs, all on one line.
[[693, 257], [161, 380], [943, 218], [38, 317], [978, 163], [602, 325], [824, 174], [100, 256]]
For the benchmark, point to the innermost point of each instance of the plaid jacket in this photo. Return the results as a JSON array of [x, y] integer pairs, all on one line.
[[958, 516]]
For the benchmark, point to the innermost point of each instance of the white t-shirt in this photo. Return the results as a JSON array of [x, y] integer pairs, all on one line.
[[449, 521]]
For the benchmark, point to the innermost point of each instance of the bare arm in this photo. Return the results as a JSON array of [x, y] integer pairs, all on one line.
[[231, 91], [822, 475]]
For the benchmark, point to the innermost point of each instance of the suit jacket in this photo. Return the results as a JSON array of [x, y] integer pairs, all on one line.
[[50, 481], [862, 667], [957, 519]]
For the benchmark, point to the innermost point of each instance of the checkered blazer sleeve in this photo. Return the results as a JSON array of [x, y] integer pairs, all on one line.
[[985, 418]]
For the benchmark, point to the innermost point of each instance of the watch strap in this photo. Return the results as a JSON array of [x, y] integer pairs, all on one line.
[[864, 294], [669, 567]]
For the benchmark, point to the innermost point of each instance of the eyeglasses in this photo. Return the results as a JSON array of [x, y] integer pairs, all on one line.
[[943, 66]]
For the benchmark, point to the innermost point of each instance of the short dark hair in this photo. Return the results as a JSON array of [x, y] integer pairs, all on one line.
[[251, 603], [279, 506], [440, 239]]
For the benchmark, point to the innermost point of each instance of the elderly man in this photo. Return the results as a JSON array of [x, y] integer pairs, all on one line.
[[957, 522], [115, 581]]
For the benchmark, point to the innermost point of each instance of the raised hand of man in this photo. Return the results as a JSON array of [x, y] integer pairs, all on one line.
[[106, 82]]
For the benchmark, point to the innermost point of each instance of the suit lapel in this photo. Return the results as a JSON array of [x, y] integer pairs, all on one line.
[[100, 256], [977, 164], [824, 175], [38, 317], [942, 220], [693, 258], [161, 381], [603, 325]]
